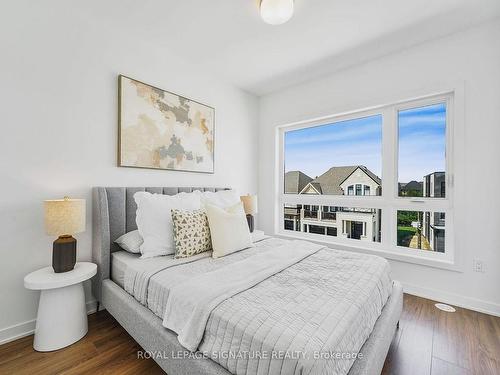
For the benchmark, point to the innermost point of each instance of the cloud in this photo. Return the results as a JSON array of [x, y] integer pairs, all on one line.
[[429, 121], [434, 109], [434, 115]]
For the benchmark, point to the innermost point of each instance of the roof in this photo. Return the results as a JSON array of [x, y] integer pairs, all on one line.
[[295, 181], [329, 182], [370, 174], [316, 186]]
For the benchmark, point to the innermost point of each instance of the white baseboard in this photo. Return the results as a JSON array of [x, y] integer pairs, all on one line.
[[453, 299], [20, 330]]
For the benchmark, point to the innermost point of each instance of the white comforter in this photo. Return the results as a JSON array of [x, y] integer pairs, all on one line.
[[268, 311]]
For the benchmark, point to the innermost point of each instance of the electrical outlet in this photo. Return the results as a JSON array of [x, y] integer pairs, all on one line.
[[477, 265]]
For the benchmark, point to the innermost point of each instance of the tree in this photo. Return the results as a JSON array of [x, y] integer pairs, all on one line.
[[405, 218]]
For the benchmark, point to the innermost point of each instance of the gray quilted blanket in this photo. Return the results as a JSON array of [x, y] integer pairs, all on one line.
[[190, 303], [311, 317]]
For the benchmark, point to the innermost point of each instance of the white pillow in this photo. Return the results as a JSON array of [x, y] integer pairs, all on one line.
[[222, 198], [154, 219], [130, 241], [228, 229]]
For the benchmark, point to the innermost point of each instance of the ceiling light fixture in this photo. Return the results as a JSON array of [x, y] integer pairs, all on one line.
[[276, 12]]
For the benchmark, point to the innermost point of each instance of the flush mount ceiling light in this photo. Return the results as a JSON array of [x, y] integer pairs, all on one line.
[[276, 12]]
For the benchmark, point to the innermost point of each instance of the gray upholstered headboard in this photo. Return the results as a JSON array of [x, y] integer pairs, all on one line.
[[114, 215]]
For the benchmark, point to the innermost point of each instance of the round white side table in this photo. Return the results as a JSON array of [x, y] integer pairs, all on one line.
[[62, 314]]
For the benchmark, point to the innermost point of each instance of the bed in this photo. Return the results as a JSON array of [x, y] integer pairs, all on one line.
[[310, 303]]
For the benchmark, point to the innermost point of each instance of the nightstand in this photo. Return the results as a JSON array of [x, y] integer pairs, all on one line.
[[62, 314]]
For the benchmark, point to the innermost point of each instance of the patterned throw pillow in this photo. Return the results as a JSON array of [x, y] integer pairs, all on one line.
[[191, 233]]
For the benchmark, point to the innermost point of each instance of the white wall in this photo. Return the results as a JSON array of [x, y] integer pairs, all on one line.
[[58, 137], [471, 57]]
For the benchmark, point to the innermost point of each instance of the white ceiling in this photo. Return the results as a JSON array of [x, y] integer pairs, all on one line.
[[228, 38]]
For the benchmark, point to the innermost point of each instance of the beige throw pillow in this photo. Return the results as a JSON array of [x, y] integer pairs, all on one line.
[[191, 233], [228, 229]]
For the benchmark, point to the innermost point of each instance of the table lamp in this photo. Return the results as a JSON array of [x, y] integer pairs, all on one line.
[[63, 218], [250, 206]]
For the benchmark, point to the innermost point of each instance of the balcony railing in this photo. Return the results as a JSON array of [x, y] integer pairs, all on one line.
[[315, 215], [310, 214], [328, 216], [292, 211]]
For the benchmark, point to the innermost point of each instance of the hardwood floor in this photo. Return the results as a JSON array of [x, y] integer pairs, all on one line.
[[429, 341]]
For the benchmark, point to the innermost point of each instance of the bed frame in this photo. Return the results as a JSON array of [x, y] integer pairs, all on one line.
[[114, 211]]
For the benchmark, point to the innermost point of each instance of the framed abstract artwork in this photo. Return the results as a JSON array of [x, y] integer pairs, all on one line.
[[162, 130]]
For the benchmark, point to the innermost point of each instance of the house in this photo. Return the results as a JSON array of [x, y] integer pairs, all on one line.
[[295, 182], [434, 185], [356, 223], [433, 223], [348, 180]]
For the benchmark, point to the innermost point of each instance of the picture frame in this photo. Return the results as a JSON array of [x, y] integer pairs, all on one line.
[[158, 129]]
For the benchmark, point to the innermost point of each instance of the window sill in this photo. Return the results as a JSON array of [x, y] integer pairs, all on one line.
[[377, 249]]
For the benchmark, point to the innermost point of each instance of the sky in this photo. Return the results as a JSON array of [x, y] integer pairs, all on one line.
[[359, 142], [422, 142]]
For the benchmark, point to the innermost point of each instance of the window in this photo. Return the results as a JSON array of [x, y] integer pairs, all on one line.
[[421, 230], [331, 232], [358, 189], [328, 159], [422, 145], [395, 202]]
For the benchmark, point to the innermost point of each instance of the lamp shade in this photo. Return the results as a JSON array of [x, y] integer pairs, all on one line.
[[64, 216], [249, 204]]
